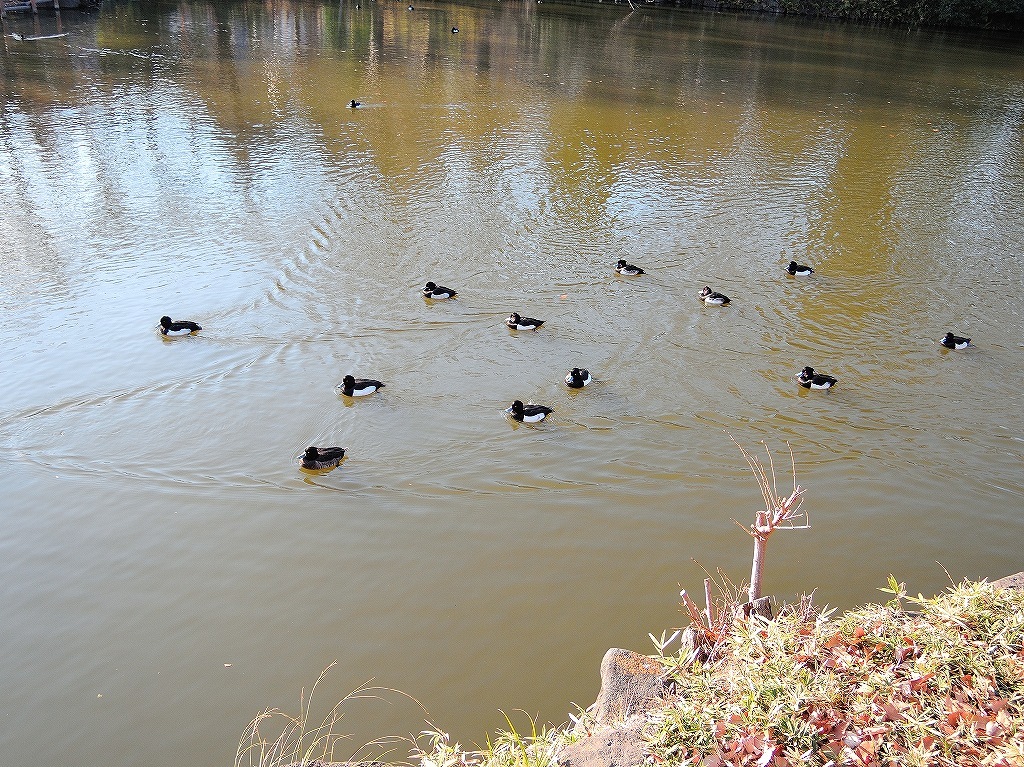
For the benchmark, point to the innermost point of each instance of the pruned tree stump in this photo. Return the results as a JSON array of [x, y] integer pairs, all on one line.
[[761, 607]]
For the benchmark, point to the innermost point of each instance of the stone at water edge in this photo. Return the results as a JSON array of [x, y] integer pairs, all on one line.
[[606, 747], [1015, 581], [631, 684]]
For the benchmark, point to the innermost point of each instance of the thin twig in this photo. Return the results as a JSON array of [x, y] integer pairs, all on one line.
[[707, 601], [691, 608]]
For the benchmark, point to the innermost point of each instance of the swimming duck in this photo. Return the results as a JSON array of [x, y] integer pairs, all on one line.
[[529, 413], [711, 297], [577, 378], [516, 322], [438, 292], [799, 270], [322, 457], [353, 104], [951, 341], [183, 328], [808, 379], [358, 387], [621, 267], [455, 30]]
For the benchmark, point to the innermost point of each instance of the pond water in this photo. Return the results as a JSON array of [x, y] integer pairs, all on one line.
[[166, 569]]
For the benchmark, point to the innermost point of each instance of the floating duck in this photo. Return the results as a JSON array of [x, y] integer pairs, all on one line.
[[629, 270], [316, 458], [577, 378], [169, 327], [951, 341], [516, 322], [353, 104], [358, 387], [438, 292], [455, 30], [808, 379], [799, 270], [711, 297], [528, 413]]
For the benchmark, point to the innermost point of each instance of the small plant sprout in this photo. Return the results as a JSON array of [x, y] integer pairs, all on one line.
[[661, 644], [779, 512]]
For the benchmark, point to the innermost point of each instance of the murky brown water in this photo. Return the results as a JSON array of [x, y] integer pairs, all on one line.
[[200, 161]]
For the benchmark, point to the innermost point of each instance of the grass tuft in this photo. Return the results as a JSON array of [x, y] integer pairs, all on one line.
[[299, 741]]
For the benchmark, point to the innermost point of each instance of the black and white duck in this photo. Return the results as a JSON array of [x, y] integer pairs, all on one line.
[[951, 341], [169, 327], [808, 379], [528, 413], [438, 292], [358, 387], [517, 322], [577, 378], [316, 458], [713, 298], [629, 270]]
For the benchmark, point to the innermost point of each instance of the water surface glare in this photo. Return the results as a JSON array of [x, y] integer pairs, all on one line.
[[167, 571]]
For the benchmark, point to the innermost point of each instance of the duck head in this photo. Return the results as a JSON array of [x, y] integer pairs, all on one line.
[[165, 322]]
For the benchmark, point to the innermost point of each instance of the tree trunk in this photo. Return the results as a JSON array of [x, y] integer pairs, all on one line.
[[757, 568]]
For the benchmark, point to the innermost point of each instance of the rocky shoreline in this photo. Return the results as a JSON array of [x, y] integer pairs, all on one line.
[[611, 732]]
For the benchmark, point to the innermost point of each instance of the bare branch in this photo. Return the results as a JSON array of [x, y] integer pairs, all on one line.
[[779, 512]]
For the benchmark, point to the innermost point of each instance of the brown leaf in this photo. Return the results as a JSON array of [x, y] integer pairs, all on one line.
[[834, 641], [920, 682], [751, 743], [892, 714]]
